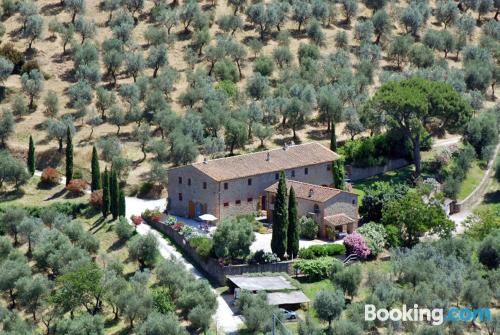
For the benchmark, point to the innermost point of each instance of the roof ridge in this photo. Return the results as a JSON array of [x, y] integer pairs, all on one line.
[[256, 152], [315, 185]]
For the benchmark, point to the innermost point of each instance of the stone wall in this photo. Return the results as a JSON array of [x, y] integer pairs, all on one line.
[[478, 192], [355, 173], [211, 267]]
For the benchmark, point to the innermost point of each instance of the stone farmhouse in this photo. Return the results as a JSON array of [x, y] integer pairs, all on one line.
[[235, 185], [333, 210]]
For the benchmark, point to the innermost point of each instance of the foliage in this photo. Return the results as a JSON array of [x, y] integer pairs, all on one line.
[[308, 228], [262, 257], [123, 229], [348, 278], [202, 245], [293, 229], [315, 269], [322, 250], [256, 311], [280, 219], [378, 194], [374, 235], [50, 176], [414, 218], [489, 250], [232, 239], [356, 244], [409, 103], [143, 249], [328, 305], [77, 187]]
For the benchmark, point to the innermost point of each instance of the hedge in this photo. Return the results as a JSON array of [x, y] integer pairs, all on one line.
[[323, 250], [68, 208], [314, 269]]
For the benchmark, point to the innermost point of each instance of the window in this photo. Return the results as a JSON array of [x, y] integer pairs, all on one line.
[[180, 196], [249, 181], [316, 208], [180, 180], [226, 186], [306, 171], [226, 204], [189, 181], [328, 167], [204, 185], [272, 199], [250, 200], [354, 201], [238, 202], [276, 176], [293, 173]]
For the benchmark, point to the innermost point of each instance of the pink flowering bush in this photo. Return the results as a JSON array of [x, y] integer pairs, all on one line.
[[355, 244]]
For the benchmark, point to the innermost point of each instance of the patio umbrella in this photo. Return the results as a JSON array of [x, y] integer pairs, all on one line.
[[207, 217]]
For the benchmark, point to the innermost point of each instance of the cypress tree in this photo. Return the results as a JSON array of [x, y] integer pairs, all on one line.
[[69, 156], [114, 194], [293, 226], [280, 219], [338, 174], [31, 157], [96, 173], [121, 204], [333, 138], [105, 193]]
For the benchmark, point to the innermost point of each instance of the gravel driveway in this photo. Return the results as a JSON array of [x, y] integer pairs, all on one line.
[[224, 317]]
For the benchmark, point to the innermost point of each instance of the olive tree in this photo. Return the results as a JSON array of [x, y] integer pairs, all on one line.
[[32, 84]]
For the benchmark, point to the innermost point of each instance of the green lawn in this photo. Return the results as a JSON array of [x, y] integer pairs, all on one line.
[[31, 194], [396, 176], [471, 181]]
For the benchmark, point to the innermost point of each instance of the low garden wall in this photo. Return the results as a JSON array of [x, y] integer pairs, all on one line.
[[478, 192], [356, 173], [216, 271]]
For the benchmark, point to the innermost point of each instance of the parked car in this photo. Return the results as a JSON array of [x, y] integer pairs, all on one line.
[[288, 315], [340, 236]]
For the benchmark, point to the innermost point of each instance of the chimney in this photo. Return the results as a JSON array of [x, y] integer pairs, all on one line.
[[268, 156], [311, 192]]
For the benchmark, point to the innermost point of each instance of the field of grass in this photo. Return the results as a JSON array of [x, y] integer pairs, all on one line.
[[32, 194], [471, 181]]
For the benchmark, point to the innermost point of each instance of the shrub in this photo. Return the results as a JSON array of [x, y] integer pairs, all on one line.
[[308, 228], [123, 229], [323, 250], [50, 176], [30, 65], [186, 231], [15, 56], [77, 186], [264, 65], [262, 257], [144, 189], [162, 302], [136, 220], [232, 239], [96, 199], [170, 220], [355, 244], [375, 237], [315, 269], [489, 250], [203, 245], [152, 215], [178, 226]]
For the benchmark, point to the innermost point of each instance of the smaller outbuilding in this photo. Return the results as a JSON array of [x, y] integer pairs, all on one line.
[[279, 290], [334, 210]]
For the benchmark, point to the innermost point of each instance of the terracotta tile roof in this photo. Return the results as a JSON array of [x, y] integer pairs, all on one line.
[[241, 166], [338, 219], [307, 191]]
